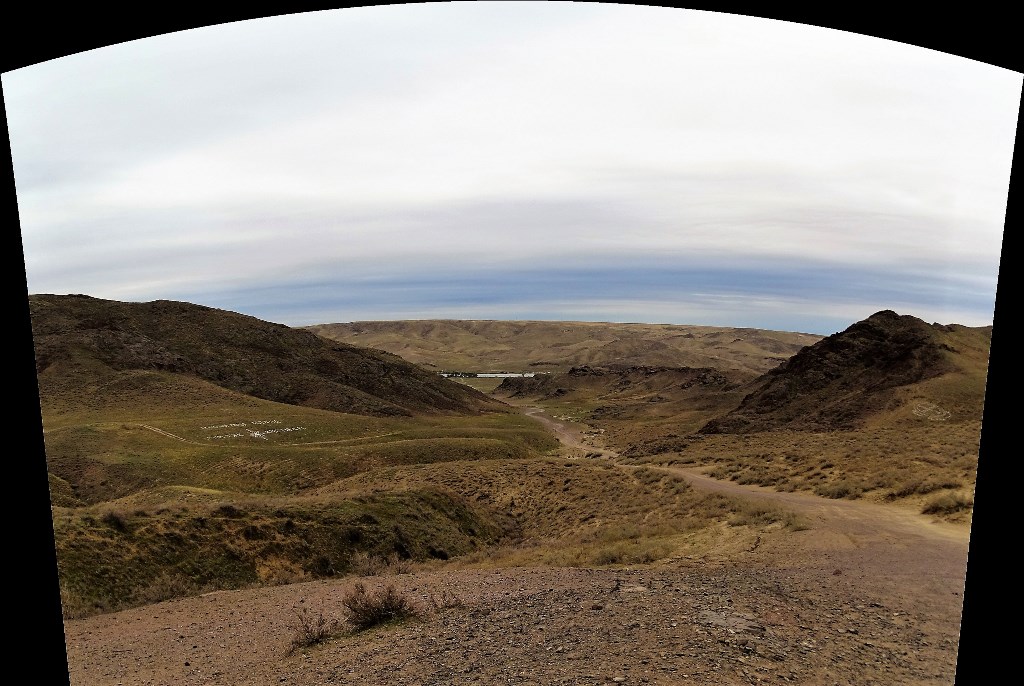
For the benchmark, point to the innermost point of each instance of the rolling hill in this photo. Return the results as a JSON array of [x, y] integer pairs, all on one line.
[[546, 346], [82, 341]]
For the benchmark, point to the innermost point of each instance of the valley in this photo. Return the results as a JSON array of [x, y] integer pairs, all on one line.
[[791, 509]]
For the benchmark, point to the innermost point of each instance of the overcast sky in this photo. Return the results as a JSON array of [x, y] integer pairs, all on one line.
[[519, 161]]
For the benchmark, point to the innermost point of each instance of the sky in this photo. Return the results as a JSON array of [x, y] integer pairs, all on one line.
[[557, 161]]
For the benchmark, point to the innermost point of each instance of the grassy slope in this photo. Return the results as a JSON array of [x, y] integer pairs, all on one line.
[[149, 503]]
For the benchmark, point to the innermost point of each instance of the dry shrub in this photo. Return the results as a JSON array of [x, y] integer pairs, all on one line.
[[756, 514], [609, 555], [948, 503], [274, 571], [166, 586], [312, 629], [446, 600], [629, 552], [367, 609], [840, 489], [922, 487], [116, 520], [364, 564]]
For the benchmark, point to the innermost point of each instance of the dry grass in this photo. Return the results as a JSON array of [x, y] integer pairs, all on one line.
[[948, 503], [366, 609], [362, 563], [885, 464], [312, 628], [445, 600], [112, 558]]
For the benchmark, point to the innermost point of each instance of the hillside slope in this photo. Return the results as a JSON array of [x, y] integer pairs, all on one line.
[[875, 365], [78, 337]]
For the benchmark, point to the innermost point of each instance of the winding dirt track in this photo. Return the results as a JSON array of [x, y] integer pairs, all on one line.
[[886, 546], [866, 595], [571, 437]]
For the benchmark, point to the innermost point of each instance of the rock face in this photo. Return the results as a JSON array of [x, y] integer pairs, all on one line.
[[81, 336], [846, 377]]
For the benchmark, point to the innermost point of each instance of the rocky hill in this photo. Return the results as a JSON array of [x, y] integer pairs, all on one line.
[[842, 380], [78, 336]]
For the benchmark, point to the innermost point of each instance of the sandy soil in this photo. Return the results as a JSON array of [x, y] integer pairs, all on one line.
[[867, 595]]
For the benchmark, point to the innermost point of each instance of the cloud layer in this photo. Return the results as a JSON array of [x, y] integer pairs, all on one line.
[[497, 160]]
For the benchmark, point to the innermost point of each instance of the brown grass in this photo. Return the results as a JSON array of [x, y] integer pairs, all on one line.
[[884, 464], [366, 609], [948, 503], [312, 628]]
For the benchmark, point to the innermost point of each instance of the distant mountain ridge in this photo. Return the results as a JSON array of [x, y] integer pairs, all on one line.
[[84, 335], [557, 346]]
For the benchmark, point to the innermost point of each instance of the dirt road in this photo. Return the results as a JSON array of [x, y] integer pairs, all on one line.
[[574, 442]]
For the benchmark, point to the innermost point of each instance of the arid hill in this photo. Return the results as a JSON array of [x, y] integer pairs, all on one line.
[[78, 338], [635, 551], [844, 379], [517, 346]]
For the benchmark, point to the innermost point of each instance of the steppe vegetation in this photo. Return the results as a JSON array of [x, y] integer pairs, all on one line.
[[167, 484], [741, 521]]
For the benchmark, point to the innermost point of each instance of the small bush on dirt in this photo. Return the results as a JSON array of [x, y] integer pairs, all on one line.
[[609, 555], [445, 600], [758, 514], [922, 487], [312, 628], [367, 609], [840, 489], [719, 472], [948, 503]]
